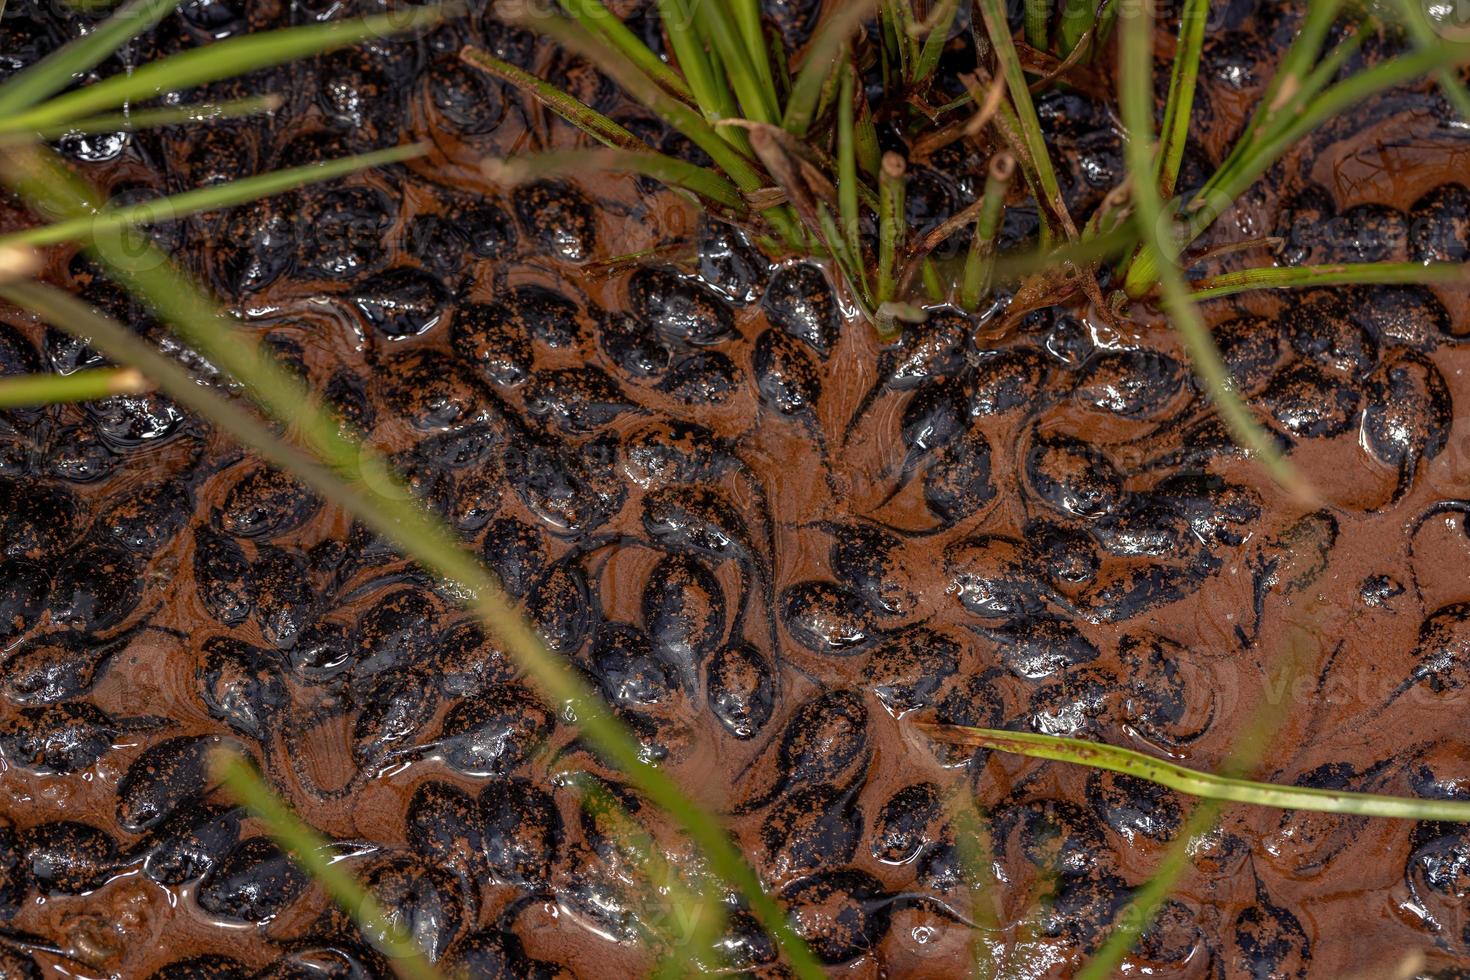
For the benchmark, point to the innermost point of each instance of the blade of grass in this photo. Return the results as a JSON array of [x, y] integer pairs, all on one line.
[[223, 59], [584, 117], [350, 468], [1193, 782], [682, 118], [1108, 245], [980, 261], [822, 53], [891, 225], [139, 119], [710, 94], [748, 16], [847, 178], [309, 849], [1135, 99], [211, 198], [31, 390], [57, 70], [757, 101], [1038, 23], [934, 43], [1179, 106], [1025, 118], [1307, 276], [1077, 18], [1421, 32], [670, 170], [594, 15]]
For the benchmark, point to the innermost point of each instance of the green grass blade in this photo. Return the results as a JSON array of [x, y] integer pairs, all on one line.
[[747, 15], [32, 390], [1193, 782], [718, 26], [1136, 99], [309, 849], [847, 177], [223, 59], [934, 43], [1077, 18], [594, 15], [584, 117], [1350, 274], [669, 170], [822, 53], [57, 70], [1421, 32], [121, 122], [41, 177], [710, 94], [214, 197], [980, 261], [1038, 23], [993, 12], [891, 224], [1180, 104]]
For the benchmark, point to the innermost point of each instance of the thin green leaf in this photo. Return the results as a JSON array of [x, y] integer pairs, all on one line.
[[211, 198], [139, 119], [1180, 103], [350, 468], [847, 178], [1034, 143], [57, 70], [981, 258], [1135, 99], [757, 101], [223, 59], [822, 53], [1350, 274], [310, 850], [594, 15], [748, 17], [1038, 23], [669, 170], [31, 390], [584, 117], [934, 43], [1421, 31], [710, 93], [1077, 18], [891, 224], [1193, 782]]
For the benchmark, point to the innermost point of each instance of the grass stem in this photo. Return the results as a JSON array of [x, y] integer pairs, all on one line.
[[32, 390], [1309, 276], [980, 261], [891, 223], [584, 117]]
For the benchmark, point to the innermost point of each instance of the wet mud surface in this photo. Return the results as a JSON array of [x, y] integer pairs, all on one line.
[[769, 542]]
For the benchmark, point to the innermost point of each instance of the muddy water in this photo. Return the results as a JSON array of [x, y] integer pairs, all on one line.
[[770, 542]]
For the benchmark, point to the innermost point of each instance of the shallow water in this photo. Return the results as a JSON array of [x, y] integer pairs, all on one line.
[[1048, 532]]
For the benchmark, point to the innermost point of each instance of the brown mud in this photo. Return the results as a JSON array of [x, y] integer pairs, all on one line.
[[769, 541]]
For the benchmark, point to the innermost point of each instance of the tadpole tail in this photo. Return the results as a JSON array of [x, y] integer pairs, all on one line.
[[297, 754], [862, 410]]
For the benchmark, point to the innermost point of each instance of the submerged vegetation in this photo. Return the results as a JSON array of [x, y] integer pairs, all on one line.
[[813, 159]]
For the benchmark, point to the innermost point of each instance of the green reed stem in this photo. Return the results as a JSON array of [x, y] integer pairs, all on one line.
[[1421, 32], [717, 24], [41, 177], [139, 119], [310, 850], [33, 390], [821, 54], [1078, 17], [934, 44], [1193, 782], [747, 15], [1038, 23], [1135, 100], [165, 209], [847, 177], [710, 93], [980, 262], [890, 223], [223, 59], [1024, 117], [1180, 104], [594, 15], [1308, 276], [666, 169], [584, 117], [60, 68]]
